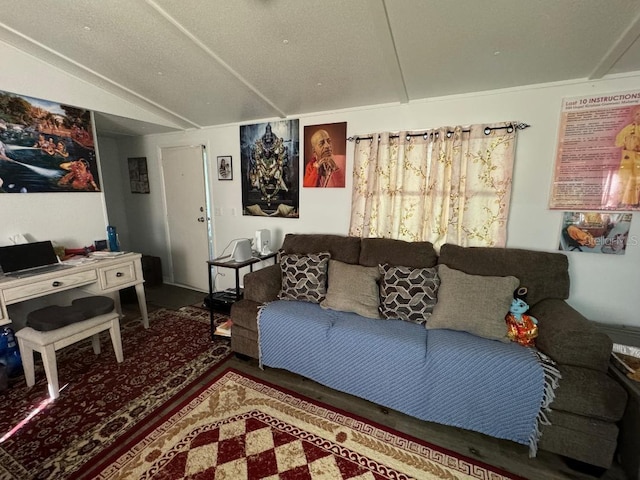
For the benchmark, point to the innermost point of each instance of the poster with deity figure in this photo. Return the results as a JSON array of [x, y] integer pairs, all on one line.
[[45, 147], [269, 154]]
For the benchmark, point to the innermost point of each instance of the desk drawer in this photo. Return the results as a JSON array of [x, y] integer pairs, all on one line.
[[42, 287], [117, 275]]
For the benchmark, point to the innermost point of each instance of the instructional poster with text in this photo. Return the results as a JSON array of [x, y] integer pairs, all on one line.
[[598, 157]]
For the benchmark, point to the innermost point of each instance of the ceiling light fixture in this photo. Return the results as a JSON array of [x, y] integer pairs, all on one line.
[[285, 41]]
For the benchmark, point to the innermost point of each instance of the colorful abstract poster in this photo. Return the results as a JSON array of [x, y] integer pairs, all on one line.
[[325, 159], [598, 157], [595, 232], [45, 147], [269, 155]]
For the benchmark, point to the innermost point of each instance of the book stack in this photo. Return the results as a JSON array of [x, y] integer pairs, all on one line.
[[224, 329]]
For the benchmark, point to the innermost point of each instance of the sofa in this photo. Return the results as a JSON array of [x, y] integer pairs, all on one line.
[[587, 402]]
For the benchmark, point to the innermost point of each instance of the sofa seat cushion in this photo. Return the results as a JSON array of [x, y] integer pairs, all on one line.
[[589, 393], [473, 303], [546, 275], [444, 376], [346, 351], [352, 288], [586, 439]]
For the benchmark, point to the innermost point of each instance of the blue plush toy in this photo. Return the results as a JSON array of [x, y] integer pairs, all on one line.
[[521, 328]]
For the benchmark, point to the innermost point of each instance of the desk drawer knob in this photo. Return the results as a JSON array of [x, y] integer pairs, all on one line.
[[56, 284], [119, 274]]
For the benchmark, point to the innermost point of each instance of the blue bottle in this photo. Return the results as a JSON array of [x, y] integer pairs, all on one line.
[[112, 239], [9, 353]]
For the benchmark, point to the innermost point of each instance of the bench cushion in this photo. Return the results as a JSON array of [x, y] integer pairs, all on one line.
[[93, 306], [54, 316]]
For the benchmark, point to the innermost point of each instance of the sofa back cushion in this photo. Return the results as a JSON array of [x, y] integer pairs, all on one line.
[[397, 253], [546, 275], [344, 249]]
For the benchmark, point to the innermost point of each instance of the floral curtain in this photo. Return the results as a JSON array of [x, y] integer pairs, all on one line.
[[447, 185]]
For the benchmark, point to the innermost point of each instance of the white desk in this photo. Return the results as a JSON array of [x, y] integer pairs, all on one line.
[[105, 276]]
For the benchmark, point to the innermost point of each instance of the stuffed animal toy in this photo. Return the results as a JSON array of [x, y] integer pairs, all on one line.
[[521, 328]]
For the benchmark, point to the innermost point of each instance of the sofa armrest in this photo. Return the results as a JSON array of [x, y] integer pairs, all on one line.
[[569, 338], [263, 285]]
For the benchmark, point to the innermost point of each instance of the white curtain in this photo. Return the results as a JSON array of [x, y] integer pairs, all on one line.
[[447, 185]]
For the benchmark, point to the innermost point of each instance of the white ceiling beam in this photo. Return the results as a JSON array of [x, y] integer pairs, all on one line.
[[628, 37], [214, 56], [389, 50]]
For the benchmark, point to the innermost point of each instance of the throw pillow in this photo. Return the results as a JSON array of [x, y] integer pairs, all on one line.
[[352, 288], [408, 293], [304, 277], [473, 303]]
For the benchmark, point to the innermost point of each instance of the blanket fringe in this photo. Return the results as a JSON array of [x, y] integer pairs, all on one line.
[[260, 308], [552, 377]]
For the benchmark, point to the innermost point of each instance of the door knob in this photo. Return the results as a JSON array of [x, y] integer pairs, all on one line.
[[201, 219]]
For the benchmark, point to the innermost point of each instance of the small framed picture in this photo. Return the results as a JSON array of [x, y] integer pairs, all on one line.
[[225, 170], [138, 175]]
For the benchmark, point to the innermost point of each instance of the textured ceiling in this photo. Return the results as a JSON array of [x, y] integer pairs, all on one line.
[[198, 63]]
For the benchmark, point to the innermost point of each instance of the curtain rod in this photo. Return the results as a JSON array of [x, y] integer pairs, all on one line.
[[487, 131]]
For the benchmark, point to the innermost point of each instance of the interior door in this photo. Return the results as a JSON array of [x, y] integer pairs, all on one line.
[[184, 172]]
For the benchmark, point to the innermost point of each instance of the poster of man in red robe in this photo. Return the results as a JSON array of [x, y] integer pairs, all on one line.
[[324, 155]]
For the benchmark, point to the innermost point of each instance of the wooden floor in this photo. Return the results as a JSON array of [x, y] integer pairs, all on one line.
[[506, 455]]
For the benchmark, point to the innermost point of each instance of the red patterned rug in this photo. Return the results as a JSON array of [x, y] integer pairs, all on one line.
[[102, 399], [238, 427]]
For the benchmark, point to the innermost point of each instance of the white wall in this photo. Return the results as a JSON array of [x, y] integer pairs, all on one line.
[[73, 220], [70, 219], [603, 286], [114, 181]]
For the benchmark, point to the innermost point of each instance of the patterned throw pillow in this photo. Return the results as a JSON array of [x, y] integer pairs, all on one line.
[[304, 277], [408, 293]]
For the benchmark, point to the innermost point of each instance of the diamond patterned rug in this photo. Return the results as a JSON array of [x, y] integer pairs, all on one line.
[[103, 401], [239, 427]]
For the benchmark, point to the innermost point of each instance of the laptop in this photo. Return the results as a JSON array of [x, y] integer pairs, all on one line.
[[28, 259]]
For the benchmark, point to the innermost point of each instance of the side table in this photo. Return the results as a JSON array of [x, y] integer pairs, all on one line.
[[629, 438], [225, 263]]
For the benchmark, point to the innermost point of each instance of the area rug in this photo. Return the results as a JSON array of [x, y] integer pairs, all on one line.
[[239, 427], [104, 401]]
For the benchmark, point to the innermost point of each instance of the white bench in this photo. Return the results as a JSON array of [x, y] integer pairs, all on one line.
[[48, 342]]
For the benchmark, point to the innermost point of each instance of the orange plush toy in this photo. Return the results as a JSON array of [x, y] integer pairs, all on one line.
[[521, 328]]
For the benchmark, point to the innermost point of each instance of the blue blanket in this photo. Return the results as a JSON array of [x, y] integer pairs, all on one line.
[[444, 376]]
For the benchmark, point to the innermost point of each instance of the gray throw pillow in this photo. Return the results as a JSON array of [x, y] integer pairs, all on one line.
[[304, 277], [473, 303], [408, 293], [352, 288]]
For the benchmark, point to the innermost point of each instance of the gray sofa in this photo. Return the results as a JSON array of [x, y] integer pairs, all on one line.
[[588, 401]]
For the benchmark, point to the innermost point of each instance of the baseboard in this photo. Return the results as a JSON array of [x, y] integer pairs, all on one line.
[[622, 334]]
